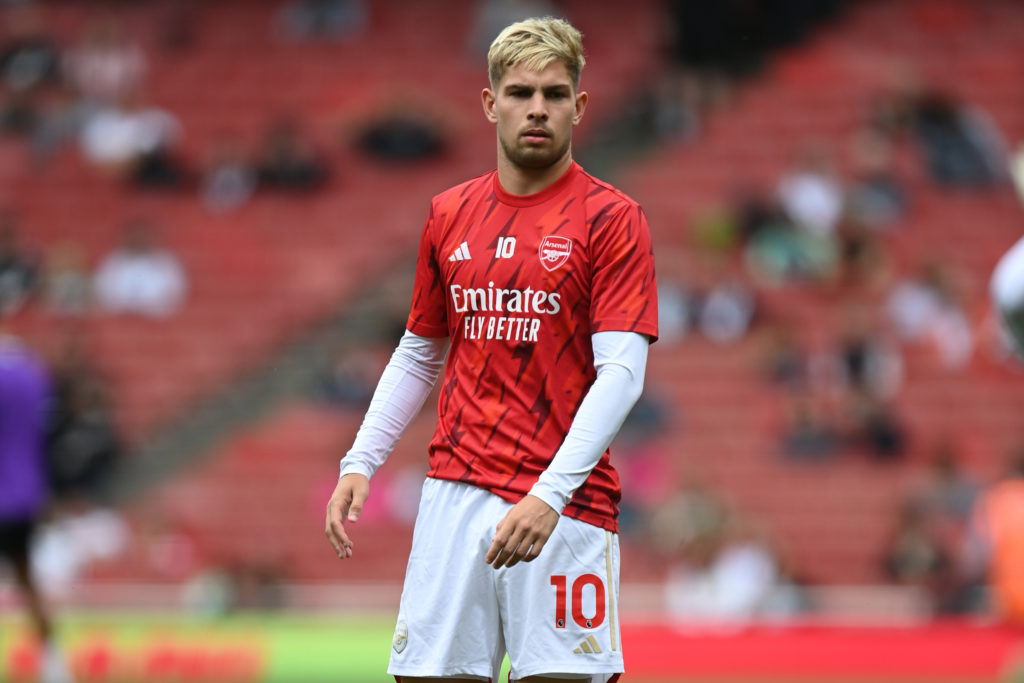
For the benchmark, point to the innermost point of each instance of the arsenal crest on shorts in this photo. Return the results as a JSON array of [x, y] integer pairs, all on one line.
[[553, 251]]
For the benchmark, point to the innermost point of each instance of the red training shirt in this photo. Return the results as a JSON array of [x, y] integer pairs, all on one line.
[[520, 283]]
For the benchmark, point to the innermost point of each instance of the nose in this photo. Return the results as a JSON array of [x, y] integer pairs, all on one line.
[[538, 108]]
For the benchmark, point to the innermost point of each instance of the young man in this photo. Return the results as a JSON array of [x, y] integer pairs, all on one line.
[[1007, 283], [24, 405], [540, 278], [1007, 287]]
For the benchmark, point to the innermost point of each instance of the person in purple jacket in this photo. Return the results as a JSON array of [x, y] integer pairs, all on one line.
[[24, 490]]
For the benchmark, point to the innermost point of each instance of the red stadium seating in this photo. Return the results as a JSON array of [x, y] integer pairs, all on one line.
[[263, 273]]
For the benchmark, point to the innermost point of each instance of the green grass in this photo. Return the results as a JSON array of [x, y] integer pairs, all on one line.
[[257, 648]]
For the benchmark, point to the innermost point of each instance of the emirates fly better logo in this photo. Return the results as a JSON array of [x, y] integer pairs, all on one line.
[[554, 251]]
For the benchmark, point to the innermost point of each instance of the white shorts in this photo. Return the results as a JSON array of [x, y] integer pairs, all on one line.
[[555, 615]]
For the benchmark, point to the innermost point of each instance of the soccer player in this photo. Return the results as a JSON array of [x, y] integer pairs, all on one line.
[[1007, 285], [537, 282], [24, 402], [1008, 293]]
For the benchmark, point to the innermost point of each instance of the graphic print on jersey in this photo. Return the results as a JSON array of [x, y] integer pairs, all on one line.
[[548, 270]]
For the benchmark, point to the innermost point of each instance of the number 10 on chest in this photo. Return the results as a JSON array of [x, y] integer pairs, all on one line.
[[506, 247]]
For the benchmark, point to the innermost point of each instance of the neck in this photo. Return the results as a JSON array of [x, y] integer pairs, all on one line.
[[522, 181]]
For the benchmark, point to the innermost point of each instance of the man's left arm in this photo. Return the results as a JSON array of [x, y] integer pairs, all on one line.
[[621, 360]]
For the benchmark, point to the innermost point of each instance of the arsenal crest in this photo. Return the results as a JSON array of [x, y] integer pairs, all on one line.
[[553, 251]]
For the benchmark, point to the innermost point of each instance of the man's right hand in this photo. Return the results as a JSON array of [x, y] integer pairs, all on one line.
[[346, 504]]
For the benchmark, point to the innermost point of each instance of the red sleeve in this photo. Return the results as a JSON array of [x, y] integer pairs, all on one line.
[[427, 315], [624, 290]]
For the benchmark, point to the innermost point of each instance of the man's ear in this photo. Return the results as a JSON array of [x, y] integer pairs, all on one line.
[[487, 98], [581, 106]]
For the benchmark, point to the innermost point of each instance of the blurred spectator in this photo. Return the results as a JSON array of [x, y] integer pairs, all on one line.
[[875, 427], [83, 445], [140, 276], [997, 540], [29, 63], [726, 310], [915, 555], [924, 308], [402, 135], [66, 280], [105, 66], [229, 179], [735, 581], [948, 493], [876, 197], [135, 140], [61, 115], [76, 539], [1006, 285], [350, 382], [24, 397], [675, 310], [810, 193], [863, 260], [335, 19], [810, 433], [690, 523], [946, 497], [869, 362], [287, 160], [704, 34], [753, 210], [961, 144], [18, 270], [778, 253], [720, 228], [783, 359]]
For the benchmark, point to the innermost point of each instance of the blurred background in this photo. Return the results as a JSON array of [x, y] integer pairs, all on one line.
[[209, 212]]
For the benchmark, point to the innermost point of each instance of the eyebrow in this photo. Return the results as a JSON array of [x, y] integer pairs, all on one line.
[[548, 88]]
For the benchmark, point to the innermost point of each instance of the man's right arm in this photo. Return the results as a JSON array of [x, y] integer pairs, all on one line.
[[403, 387]]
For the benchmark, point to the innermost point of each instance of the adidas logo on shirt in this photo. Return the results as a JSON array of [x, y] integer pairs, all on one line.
[[461, 254], [589, 646]]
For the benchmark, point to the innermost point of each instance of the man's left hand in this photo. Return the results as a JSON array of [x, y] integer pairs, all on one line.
[[522, 533]]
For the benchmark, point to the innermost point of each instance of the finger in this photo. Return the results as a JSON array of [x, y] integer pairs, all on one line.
[[534, 551], [506, 550], [355, 509], [336, 534], [496, 547], [516, 556]]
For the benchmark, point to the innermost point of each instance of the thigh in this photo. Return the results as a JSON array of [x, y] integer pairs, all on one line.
[[561, 610], [449, 623], [15, 537]]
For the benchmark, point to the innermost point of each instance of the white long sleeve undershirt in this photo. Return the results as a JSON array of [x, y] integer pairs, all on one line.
[[619, 357], [403, 387]]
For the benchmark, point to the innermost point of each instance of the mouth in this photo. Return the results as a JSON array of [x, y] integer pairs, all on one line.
[[536, 135]]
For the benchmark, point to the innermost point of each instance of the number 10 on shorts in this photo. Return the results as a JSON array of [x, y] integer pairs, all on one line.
[[561, 583]]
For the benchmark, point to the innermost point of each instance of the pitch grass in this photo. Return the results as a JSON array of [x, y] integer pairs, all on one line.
[[337, 648]]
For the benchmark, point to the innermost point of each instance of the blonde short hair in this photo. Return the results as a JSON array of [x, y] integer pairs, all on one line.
[[535, 43]]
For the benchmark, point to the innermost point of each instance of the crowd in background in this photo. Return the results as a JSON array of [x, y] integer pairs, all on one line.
[[820, 229]]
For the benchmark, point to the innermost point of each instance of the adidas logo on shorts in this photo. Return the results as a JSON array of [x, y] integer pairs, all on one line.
[[588, 646]]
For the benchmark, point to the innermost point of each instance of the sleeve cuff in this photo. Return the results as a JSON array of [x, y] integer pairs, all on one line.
[[547, 493], [352, 467]]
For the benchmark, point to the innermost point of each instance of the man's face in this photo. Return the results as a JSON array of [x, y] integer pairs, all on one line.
[[535, 112]]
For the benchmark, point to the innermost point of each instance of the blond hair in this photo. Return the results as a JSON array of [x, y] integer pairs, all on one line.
[[535, 43]]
